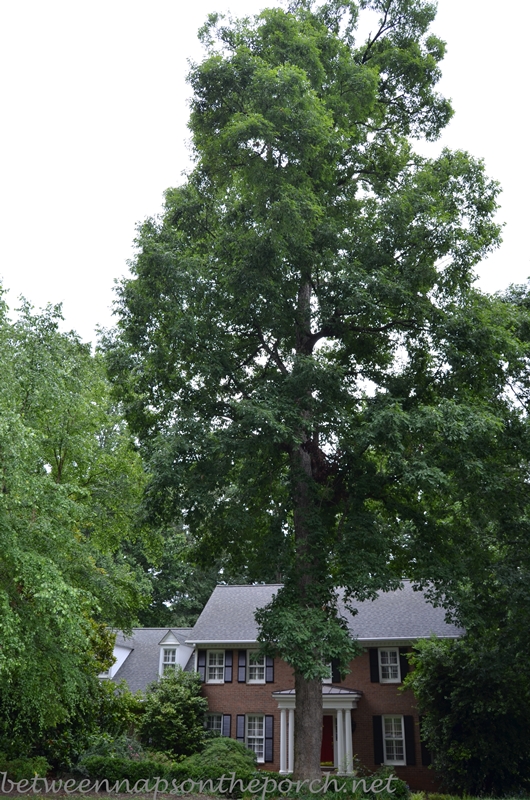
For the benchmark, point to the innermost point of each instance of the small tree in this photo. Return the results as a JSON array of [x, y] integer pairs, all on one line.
[[173, 719]]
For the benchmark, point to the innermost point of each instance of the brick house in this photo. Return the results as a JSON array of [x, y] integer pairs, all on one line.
[[367, 716]]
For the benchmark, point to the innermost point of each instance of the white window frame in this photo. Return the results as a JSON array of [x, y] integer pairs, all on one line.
[[393, 738], [166, 662], [256, 741], [218, 726], [382, 666], [220, 665], [257, 667]]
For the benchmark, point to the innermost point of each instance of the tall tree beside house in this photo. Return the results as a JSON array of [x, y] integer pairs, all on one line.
[[70, 485], [317, 387]]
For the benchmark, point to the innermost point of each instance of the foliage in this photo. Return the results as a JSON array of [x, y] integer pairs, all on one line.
[[113, 747], [181, 586], [18, 769], [220, 757], [70, 484], [118, 768], [475, 697], [300, 349], [173, 715]]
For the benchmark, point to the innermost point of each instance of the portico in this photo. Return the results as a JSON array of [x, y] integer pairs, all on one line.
[[337, 703]]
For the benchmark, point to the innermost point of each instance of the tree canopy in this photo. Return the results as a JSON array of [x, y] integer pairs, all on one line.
[[319, 389], [70, 485]]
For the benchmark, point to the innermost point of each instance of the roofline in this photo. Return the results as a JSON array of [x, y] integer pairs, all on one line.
[[164, 628], [246, 585], [410, 638], [225, 642], [221, 641]]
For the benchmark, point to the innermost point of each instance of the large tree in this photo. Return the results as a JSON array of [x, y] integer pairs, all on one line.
[[317, 386]]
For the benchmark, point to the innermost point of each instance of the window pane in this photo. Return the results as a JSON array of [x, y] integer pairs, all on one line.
[[214, 722], [394, 743], [216, 664], [389, 663], [255, 735], [256, 666], [169, 659]]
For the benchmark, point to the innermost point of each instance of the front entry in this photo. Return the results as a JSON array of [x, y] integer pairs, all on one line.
[[327, 758]]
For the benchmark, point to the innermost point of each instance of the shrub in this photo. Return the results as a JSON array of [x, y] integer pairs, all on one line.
[[118, 768], [220, 757], [18, 769], [173, 714], [104, 746]]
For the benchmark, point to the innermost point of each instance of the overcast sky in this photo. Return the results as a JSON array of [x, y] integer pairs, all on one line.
[[94, 111]]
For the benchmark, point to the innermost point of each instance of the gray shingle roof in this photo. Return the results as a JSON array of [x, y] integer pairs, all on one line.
[[402, 614], [399, 615], [141, 666], [228, 616]]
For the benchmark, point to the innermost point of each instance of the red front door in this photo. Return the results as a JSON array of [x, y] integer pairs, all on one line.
[[326, 749]]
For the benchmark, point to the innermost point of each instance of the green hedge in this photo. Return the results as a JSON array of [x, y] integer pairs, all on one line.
[[116, 768]]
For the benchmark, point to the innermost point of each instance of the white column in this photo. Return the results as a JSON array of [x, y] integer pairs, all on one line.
[[340, 742], [290, 762], [283, 740], [349, 747]]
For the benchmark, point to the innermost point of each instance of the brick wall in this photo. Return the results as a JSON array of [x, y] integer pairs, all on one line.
[[377, 699]]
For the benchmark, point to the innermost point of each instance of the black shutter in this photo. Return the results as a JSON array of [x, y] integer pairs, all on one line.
[[201, 664], [240, 728], [335, 672], [426, 758], [242, 666], [226, 725], [410, 748], [374, 664], [403, 662], [269, 738], [228, 666], [269, 670], [377, 723]]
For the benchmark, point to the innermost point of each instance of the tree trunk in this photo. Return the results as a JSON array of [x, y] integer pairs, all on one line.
[[308, 711], [307, 728]]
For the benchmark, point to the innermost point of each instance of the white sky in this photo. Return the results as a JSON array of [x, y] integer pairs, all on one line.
[[94, 112]]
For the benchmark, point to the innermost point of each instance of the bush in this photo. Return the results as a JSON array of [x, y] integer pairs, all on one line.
[[118, 768], [220, 757], [173, 714], [18, 769], [104, 746]]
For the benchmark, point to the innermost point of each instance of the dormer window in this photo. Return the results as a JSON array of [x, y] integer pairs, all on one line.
[[169, 659], [170, 654]]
